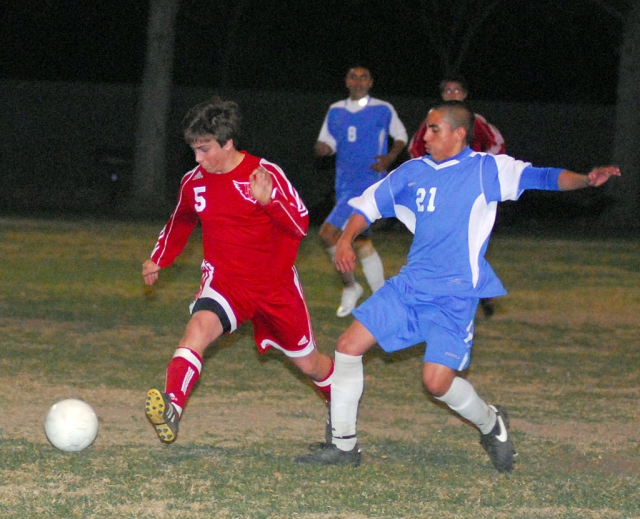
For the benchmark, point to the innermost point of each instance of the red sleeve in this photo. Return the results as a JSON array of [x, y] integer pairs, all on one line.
[[486, 137], [416, 144], [177, 230], [286, 209]]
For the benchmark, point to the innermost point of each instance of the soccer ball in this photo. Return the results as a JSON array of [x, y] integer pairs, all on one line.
[[71, 425]]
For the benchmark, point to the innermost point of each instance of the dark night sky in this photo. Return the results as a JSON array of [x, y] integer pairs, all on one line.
[[531, 51]]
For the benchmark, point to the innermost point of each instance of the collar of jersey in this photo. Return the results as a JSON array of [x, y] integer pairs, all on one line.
[[451, 161]]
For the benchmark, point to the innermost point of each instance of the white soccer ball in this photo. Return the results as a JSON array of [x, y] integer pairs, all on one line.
[[71, 425]]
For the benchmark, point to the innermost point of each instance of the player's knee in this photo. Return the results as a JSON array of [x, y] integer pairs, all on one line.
[[329, 234], [364, 248], [346, 345], [203, 328], [437, 386], [312, 365]]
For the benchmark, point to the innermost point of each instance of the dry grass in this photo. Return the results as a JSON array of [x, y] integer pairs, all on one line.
[[76, 321]]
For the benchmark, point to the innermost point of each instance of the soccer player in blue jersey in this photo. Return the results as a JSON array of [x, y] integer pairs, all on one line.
[[357, 131], [448, 199]]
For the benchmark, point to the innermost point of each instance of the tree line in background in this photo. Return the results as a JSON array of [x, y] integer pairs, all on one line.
[[452, 27]]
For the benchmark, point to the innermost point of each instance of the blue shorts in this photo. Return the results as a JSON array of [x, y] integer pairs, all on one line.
[[342, 211], [398, 317]]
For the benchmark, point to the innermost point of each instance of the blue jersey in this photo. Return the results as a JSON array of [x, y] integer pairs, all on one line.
[[358, 134], [451, 208]]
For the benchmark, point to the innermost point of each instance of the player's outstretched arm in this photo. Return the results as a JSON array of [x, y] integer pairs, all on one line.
[[150, 271], [569, 180], [345, 259]]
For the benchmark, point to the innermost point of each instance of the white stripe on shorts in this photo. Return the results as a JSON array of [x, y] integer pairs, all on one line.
[[300, 353]]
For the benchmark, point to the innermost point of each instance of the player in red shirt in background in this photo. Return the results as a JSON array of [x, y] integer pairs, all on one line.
[[252, 222], [486, 137]]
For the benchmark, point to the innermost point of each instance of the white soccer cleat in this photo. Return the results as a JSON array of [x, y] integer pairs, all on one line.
[[350, 296]]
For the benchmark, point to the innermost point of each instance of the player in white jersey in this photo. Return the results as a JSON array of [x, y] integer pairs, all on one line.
[[448, 199], [357, 131]]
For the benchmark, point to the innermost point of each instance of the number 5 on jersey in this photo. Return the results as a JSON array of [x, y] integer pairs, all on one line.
[[201, 203], [421, 194]]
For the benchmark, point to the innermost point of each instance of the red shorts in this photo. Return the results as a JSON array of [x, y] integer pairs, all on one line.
[[278, 313]]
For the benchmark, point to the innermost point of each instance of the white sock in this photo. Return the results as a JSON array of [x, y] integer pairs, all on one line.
[[464, 400], [373, 270], [346, 390]]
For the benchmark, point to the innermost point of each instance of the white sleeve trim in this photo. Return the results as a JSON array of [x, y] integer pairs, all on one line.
[[366, 203], [509, 173]]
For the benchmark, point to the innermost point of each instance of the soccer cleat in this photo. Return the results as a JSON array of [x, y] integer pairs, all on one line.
[[162, 415], [328, 433], [498, 442], [329, 454], [488, 306], [350, 296]]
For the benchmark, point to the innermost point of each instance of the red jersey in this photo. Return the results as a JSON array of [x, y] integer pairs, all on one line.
[[486, 137], [243, 239]]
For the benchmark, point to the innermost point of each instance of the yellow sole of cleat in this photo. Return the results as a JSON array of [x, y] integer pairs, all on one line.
[[154, 409]]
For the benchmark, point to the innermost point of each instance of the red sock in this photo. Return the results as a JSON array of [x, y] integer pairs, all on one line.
[[324, 385], [182, 373]]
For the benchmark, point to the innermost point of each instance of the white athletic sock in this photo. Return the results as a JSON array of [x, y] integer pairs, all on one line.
[[346, 390], [373, 270], [464, 400]]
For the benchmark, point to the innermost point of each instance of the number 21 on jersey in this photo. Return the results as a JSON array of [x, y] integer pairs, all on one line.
[[421, 194]]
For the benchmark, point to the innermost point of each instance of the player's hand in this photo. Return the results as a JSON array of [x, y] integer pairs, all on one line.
[[150, 271], [381, 164], [322, 149], [599, 176], [261, 184], [345, 259]]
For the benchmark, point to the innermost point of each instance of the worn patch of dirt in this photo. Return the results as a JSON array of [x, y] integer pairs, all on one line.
[[211, 418]]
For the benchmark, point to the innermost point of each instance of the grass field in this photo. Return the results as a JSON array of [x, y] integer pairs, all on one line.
[[562, 353]]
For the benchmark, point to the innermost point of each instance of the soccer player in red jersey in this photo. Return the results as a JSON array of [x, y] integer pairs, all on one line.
[[252, 222]]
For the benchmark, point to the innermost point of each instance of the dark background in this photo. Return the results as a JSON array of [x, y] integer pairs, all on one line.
[[545, 74], [530, 51]]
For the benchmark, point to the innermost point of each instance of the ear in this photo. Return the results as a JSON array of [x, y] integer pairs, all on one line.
[[228, 145], [460, 133]]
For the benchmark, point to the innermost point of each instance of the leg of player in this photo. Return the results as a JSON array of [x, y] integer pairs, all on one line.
[[371, 262], [346, 390], [352, 290], [492, 421], [319, 368], [164, 408]]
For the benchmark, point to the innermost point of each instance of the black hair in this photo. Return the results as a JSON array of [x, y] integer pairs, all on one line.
[[215, 117], [454, 79], [458, 114]]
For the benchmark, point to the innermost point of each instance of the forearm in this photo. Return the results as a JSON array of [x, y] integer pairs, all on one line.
[[173, 238], [356, 224], [570, 180], [395, 150], [284, 205]]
